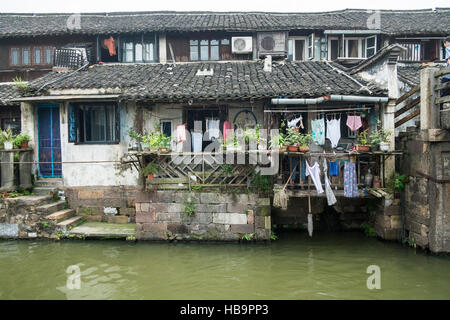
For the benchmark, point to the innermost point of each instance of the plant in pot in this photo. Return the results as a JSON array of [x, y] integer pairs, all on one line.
[[164, 142], [150, 170], [293, 139], [278, 142], [21, 141], [385, 142], [374, 140], [152, 140], [363, 139], [7, 137], [136, 138], [305, 140]]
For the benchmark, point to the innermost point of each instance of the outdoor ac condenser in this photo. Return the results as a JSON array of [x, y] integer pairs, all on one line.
[[272, 43], [241, 45]]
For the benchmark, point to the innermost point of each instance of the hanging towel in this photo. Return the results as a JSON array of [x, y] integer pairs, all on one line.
[[334, 169], [318, 131], [314, 172], [109, 44], [334, 131], [226, 130], [294, 122], [213, 129], [181, 133], [331, 199], [350, 185], [354, 122], [196, 142]]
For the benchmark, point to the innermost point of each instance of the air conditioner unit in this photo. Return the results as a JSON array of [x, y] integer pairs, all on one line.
[[241, 45], [272, 43]]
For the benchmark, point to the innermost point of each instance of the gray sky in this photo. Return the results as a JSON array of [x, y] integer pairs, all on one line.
[[208, 5]]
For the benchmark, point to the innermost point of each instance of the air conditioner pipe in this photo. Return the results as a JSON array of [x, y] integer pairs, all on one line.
[[332, 97]]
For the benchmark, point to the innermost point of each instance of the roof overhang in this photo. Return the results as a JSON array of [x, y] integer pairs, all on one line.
[[68, 97], [368, 31]]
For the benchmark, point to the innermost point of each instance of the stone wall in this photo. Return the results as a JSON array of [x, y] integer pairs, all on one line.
[[107, 204], [426, 199], [160, 215]]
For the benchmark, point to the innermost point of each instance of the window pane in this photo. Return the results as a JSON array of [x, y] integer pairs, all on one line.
[[14, 57], [204, 54], [138, 52], [26, 56], [299, 50], [352, 48], [290, 50], [370, 42], [48, 56], [128, 52], [214, 49], [95, 124], [334, 49], [225, 42], [148, 52], [193, 42], [370, 52], [37, 56], [110, 122], [166, 128], [194, 53]]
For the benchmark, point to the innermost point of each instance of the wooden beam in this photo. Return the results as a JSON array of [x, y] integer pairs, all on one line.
[[407, 107], [407, 118], [407, 95]]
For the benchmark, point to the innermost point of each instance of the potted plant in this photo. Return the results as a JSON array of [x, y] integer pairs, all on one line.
[[293, 139], [136, 137], [21, 141], [374, 140], [164, 142], [278, 142], [305, 139], [384, 137], [7, 137], [363, 139], [150, 170]]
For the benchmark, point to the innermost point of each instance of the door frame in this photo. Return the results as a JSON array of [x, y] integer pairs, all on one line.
[[44, 106]]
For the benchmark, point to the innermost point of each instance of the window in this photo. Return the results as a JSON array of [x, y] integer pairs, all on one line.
[[371, 46], [139, 49], [166, 127], [26, 56], [48, 56], [94, 123], [333, 48], [37, 56], [296, 49], [14, 57], [311, 46], [352, 48], [206, 49]]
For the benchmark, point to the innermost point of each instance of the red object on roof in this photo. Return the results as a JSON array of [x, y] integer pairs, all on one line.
[[110, 44]]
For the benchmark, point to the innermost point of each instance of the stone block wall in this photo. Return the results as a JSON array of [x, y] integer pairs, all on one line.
[[389, 220], [114, 204], [160, 215]]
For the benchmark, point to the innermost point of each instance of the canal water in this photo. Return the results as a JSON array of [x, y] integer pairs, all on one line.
[[328, 266]]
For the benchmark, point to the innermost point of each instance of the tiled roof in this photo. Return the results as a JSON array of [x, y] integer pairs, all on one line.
[[409, 73], [391, 22], [230, 80], [7, 92]]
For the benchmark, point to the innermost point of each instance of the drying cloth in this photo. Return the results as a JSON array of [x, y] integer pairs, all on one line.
[[181, 133], [226, 130], [310, 225], [334, 131], [109, 43], [213, 129], [314, 172], [196, 142], [331, 199], [294, 122], [350, 184], [354, 122], [318, 131], [334, 169]]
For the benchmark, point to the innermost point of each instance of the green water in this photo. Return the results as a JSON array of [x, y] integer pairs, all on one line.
[[329, 266]]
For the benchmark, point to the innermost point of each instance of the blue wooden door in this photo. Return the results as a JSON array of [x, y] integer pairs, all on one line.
[[49, 141]]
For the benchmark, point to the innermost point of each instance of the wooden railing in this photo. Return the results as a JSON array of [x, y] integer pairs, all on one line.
[[15, 175], [412, 104], [442, 101]]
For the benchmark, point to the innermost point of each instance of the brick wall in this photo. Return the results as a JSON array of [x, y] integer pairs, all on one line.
[[225, 217]]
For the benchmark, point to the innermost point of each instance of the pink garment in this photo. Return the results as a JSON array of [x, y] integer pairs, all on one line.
[[181, 133], [226, 127], [354, 122]]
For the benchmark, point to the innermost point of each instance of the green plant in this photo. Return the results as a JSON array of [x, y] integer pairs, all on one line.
[[380, 135], [7, 135], [305, 140], [197, 187], [20, 86], [134, 135], [156, 139], [151, 168], [369, 230], [248, 236], [20, 138], [227, 170], [396, 182], [260, 183], [363, 138], [277, 141], [273, 236], [45, 224], [189, 208]]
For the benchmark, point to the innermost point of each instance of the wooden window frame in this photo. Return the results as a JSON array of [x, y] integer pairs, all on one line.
[[19, 56], [209, 39], [30, 56], [305, 47]]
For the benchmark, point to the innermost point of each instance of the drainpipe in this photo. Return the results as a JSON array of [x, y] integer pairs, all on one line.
[[332, 97]]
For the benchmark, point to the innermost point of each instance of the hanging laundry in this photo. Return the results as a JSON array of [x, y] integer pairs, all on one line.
[[196, 142], [293, 122], [314, 172], [310, 225], [181, 133], [334, 131], [318, 131], [110, 45], [331, 199], [354, 122], [350, 184], [213, 129], [334, 169], [226, 130]]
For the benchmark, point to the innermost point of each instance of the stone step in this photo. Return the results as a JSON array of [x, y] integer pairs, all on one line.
[[45, 190], [55, 183], [59, 216], [51, 207], [70, 222], [33, 200]]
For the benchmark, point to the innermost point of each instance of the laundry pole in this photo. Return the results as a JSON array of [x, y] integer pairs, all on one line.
[[310, 221]]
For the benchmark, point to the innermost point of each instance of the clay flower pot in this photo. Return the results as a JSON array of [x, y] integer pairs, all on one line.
[[303, 149], [362, 148], [150, 176], [292, 148], [24, 145]]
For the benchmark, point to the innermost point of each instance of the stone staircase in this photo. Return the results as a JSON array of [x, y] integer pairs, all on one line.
[[62, 217], [47, 186]]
